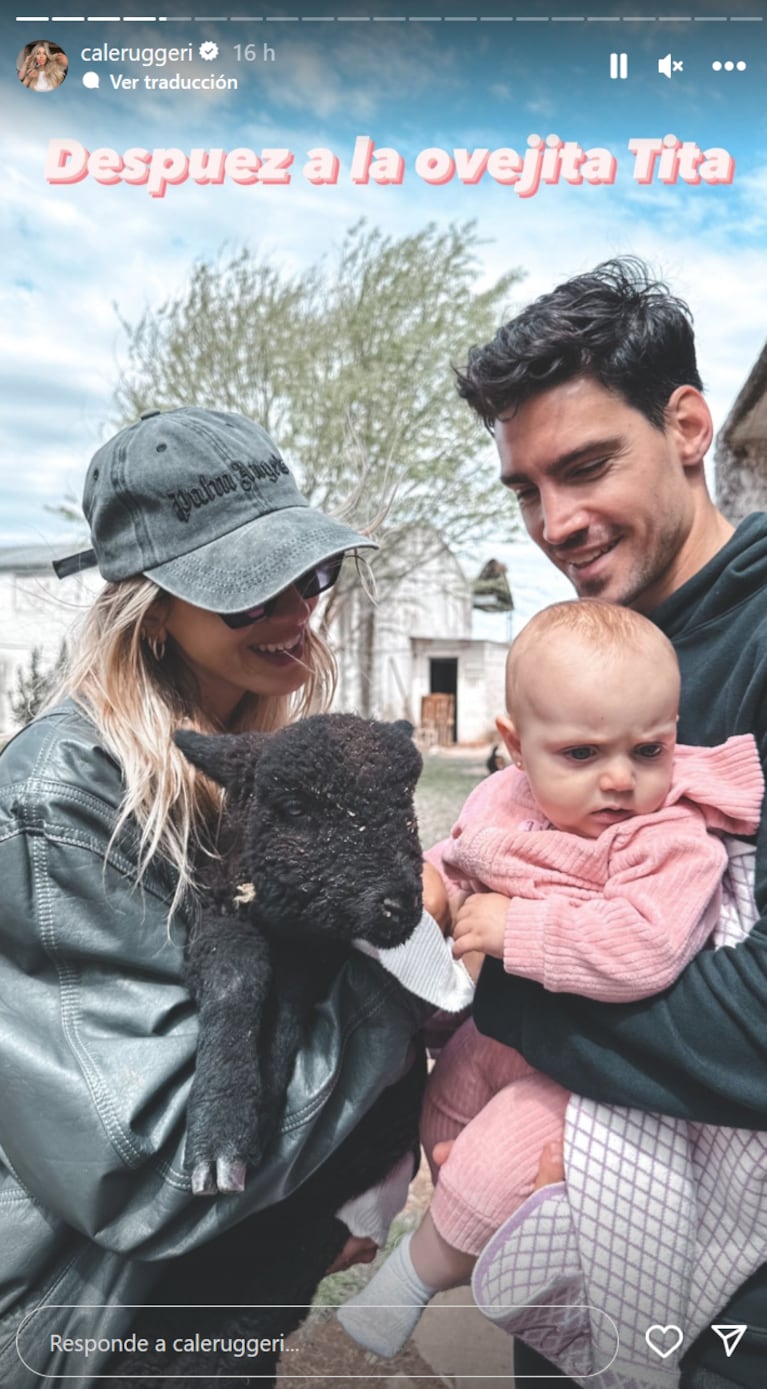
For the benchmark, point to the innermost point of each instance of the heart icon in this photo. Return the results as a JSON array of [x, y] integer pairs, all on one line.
[[663, 1340]]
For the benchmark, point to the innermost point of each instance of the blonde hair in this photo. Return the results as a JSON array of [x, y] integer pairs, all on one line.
[[604, 627], [137, 702], [54, 70]]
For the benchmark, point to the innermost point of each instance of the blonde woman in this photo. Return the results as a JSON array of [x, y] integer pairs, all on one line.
[[43, 66], [214, 563]]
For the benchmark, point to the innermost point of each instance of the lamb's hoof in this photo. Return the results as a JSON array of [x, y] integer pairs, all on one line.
[[225, 1174], [204, 1179], [230, 1174]]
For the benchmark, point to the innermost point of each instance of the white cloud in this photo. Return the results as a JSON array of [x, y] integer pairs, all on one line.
[[71, 253]]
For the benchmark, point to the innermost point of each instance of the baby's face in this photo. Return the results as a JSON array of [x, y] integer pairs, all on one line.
[[597, 743]]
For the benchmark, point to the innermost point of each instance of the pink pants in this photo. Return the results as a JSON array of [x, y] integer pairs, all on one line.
[[501, 1114]]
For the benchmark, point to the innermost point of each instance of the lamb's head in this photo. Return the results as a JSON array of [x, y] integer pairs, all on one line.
[[324, 814]]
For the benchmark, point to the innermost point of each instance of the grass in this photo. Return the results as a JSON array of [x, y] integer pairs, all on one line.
[[445, 783]]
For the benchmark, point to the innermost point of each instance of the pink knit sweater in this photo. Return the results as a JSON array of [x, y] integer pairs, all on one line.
[[618, 917]]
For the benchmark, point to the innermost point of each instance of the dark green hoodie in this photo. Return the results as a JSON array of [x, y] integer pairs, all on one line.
[[699, 1049]]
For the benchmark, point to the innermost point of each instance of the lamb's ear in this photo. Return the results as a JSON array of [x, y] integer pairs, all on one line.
[[416, 767], [228, 758], [404, 726]]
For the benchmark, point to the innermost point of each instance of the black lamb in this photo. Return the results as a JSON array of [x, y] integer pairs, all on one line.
[[319, 847]]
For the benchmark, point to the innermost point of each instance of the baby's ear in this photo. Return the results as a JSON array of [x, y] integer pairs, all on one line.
[[510, 737], [227, 758]]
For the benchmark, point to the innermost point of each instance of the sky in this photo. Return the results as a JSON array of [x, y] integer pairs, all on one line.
[[411, 77]]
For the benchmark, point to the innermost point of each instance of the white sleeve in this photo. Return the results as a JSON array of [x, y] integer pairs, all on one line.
[[424, 965], [373, 1212]]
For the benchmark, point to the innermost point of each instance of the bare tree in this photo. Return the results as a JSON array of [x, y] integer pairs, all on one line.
[[34, 684], [349, 367]]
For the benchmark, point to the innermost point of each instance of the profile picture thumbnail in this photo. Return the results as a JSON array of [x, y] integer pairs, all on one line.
[[42, 65]]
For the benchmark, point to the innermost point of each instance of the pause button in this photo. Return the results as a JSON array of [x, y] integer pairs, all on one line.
[[619, 65]]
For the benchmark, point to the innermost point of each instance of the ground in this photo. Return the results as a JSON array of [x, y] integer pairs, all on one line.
[[449, 774]]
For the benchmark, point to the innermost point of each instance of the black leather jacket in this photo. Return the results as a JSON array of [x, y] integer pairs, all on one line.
[[97, 1047]]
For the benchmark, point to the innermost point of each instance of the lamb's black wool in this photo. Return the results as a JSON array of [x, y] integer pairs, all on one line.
[[323, 848], [320, 847]]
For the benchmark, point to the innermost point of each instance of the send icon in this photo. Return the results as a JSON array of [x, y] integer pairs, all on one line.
[[730, 1335]]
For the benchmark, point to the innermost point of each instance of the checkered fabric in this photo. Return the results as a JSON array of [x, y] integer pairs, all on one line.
[[660, 1222]]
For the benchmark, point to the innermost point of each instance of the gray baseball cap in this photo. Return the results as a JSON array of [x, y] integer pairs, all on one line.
[[201, 502]]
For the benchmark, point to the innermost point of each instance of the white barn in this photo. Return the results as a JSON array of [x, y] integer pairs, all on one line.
[[420, 639], [36, 610], [741, 449]]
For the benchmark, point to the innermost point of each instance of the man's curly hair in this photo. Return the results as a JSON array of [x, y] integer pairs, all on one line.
[[615, 324]]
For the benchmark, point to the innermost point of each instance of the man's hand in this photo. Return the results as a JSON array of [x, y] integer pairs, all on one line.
[[480, 924], [551, 1167]]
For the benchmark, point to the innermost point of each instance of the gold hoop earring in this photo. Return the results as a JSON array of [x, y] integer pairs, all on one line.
[[156, 646]]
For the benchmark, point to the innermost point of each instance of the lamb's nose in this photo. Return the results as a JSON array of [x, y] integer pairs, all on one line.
[[398, 908], [392, 906]]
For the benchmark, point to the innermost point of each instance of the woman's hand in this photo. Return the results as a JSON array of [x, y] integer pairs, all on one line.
[[480, 924], [435, 898], [359, 1249]]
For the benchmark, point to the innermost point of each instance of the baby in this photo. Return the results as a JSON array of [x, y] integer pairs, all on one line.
[[594, 865]]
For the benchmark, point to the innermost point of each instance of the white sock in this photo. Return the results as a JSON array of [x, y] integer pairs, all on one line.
[[387, 1311]]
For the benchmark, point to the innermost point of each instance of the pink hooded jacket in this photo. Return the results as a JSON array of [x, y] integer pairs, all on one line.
[[618, 917]]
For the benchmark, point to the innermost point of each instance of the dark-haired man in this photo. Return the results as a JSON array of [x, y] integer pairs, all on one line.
[[594, 399]]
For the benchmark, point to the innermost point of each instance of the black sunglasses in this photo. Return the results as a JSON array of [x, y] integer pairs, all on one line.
[[314, 581]]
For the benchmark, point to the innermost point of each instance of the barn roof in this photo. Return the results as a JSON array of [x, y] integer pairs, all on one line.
[[747, 420], [31, 559]]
